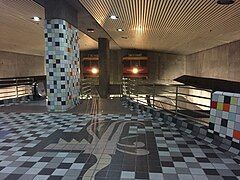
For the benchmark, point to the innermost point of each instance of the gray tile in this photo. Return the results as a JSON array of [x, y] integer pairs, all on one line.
[[185, 177]]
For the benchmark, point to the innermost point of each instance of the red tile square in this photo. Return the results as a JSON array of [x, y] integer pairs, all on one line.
[[236, 134], [226, 107], [214, 105]]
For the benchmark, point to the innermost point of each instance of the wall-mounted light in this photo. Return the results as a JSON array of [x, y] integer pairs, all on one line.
[[120, 30], [135, 70], [113, 17], [95, 70], [36, 19]]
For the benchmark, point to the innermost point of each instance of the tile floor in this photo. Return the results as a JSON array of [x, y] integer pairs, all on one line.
[[111, 146]]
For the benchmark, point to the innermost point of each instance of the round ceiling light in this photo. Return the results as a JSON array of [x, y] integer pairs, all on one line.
[[36, 19], [225, 2], [113, 17], [90, 30], [120, 30]]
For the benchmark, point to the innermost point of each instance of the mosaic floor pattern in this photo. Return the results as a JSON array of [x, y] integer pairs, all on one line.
[[66, 146]]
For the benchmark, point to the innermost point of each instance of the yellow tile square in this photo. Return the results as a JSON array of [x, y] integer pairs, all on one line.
[[234, 100], [220, 106]]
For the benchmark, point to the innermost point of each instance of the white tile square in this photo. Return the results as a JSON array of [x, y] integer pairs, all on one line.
[[59, 172]]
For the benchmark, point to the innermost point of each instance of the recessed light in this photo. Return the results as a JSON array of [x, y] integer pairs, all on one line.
[[225, 2], [90, 30], [120, 30], [36, 19], [113, 17]]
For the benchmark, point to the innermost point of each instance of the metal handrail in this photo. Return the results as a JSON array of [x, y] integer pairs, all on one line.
[[11, 88], [86, 91], [193, 104]]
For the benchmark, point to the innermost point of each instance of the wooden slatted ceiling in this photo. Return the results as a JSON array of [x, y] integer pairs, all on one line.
[[176, 26], [18, 33]]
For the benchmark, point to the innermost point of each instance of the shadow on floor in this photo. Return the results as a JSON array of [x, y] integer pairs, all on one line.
[[93, 106], [101, 106]]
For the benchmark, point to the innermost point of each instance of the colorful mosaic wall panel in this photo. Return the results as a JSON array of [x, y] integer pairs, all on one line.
[[225, 116], [62, 65]]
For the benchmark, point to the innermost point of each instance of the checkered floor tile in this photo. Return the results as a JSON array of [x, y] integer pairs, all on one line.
[[110, 146]]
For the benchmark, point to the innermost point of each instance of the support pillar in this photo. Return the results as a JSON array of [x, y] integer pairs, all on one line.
[[62, 56], [104, 60]]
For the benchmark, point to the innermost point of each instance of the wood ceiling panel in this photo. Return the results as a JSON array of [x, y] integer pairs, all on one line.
[[177, 26]]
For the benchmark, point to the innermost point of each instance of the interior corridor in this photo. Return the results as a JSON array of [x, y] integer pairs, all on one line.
[[109, 145]]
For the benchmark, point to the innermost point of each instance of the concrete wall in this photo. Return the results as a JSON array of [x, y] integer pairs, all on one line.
[[20, 65], [221, 62], [163, 68]]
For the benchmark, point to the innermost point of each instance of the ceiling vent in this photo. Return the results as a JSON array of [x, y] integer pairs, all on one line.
[[225, 2]]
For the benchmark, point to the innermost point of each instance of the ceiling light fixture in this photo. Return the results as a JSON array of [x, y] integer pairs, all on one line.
[[225, 2], [120, 30], [113, 17], [90, 30], [36, 19]]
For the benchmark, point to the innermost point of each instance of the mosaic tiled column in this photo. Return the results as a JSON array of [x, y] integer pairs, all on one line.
[[225, 117], [62, 65]]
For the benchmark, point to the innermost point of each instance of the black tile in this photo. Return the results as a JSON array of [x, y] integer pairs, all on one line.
[[46, 171], [5, 148], [56, 26], [182, 145], [28, 164], [141, 175], [163, 149], [211, 155], [167, 164], [64, 165], [187, 154], [229, 178], [227, 99], [114, 174], [115, 167], [55, 178], [178, 159], [210, 172], [13, 176], [211, 126], [57, 44], [224, 122], [128, 167], [82, 159], [101, 174], [202, 159], [142, 168], [236, 172]]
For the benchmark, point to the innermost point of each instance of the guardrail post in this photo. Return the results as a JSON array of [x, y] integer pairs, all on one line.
[[154, 91], [129, 90], [17, 88], [176, 103]]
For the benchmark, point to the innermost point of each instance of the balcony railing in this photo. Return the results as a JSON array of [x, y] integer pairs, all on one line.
[[180, 100]]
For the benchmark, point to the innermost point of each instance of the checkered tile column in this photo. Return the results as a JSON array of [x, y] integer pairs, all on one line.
[[225, 116], [62, 65]]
